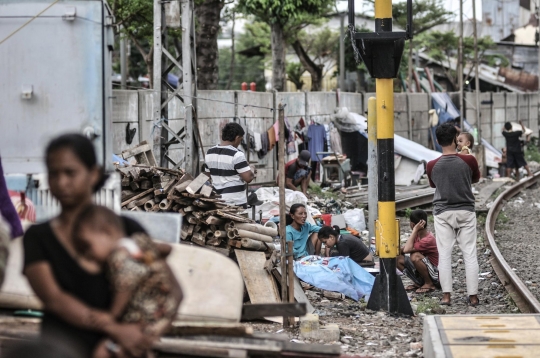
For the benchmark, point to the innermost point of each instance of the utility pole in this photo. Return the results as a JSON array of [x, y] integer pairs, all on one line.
[[342, 52], [476, 76], [460, 64], [381, 51]]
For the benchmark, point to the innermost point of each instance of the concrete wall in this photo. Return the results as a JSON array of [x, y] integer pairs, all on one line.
[[252, 111]]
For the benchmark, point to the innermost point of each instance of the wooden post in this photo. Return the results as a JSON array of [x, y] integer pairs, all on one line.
[[282, 219], [290, 273]]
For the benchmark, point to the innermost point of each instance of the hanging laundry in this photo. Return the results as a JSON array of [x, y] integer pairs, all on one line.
[[257, 139], [264, 145], [316, 134], [276, 130], [335, 141], [271, 138]]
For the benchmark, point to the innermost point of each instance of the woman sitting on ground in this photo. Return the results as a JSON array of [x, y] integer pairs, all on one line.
[[302, 233], [345, 245]]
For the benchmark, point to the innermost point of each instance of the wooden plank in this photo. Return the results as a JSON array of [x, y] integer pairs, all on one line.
[[197, 183], [144, 193], [185, 348], [141, 148], [257, 311], [299, 294], [206, 190], [212, 328], [212, 220], [230, 216], [260, 285]]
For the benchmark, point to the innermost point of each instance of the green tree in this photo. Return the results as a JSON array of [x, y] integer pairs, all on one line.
[[208, 16], [295, 71], [251, 48], [137, 20], [279, 14], [317, 51], [426, 15]]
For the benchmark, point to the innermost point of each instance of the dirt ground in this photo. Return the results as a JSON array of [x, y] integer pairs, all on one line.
[[379, 334]]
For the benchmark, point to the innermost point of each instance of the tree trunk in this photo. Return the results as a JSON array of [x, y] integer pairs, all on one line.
[[278, 58], [314, 70], [231, 69], [208, 14]]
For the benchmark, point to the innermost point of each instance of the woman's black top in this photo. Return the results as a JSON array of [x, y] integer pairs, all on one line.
[[41, 244]]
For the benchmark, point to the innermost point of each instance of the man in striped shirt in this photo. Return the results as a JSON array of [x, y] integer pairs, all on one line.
[[228, 166]]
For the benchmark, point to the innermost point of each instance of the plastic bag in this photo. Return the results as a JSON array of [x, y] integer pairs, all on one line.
[[337, 274], [355, 218]]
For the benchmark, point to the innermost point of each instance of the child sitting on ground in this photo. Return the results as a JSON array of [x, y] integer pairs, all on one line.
[[145, 289], [421, 265], [465, 143]]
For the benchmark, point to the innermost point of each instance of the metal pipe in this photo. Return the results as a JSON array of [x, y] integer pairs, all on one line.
[[372, 165]]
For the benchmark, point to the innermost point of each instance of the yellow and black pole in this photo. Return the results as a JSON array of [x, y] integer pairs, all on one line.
[[381, 51]]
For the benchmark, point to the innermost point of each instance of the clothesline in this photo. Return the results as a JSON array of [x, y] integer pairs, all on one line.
[[205, 99]]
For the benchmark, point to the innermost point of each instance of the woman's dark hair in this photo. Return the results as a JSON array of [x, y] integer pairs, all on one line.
[[446, 134], [326, 231], [99, 218], [289, 220], [508, 126], [231, 131], [295, 207], [470, 138], [83, 149], [418, 215]]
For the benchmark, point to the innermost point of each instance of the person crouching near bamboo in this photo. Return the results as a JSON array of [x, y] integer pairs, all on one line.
[[145, 290]]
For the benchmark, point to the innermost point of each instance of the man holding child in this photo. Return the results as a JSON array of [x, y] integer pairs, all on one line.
[[452, 176]]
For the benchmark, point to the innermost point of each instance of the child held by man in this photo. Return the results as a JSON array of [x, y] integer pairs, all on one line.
[[465, 143], [145, 289]]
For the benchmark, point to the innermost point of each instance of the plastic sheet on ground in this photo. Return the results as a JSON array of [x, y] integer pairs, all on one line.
[[337, 274]]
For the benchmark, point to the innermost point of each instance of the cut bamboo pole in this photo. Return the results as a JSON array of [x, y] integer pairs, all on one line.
[[253, 235], [263, 230], [256, 245], [149, 205]]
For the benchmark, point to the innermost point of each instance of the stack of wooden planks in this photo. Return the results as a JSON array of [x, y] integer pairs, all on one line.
[[208, 221]]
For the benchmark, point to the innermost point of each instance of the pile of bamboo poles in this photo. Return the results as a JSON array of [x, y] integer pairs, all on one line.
[[207, 220]]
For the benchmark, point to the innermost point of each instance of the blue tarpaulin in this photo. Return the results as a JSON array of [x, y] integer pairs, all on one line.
[[337, 274]]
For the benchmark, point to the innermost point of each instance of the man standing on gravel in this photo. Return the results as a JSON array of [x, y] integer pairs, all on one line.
[[453, 210]]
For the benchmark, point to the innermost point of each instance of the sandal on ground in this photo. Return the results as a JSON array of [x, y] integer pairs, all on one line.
[[445, 303], [473, 304], [412, 288], [425, 290]]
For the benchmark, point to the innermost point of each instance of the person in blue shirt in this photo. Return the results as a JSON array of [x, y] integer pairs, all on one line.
[[303, 234]]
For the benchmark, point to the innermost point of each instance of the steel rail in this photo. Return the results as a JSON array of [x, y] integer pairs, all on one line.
[[524, 299]]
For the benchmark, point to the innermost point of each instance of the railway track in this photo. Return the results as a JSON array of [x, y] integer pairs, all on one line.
[[525, 300]]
